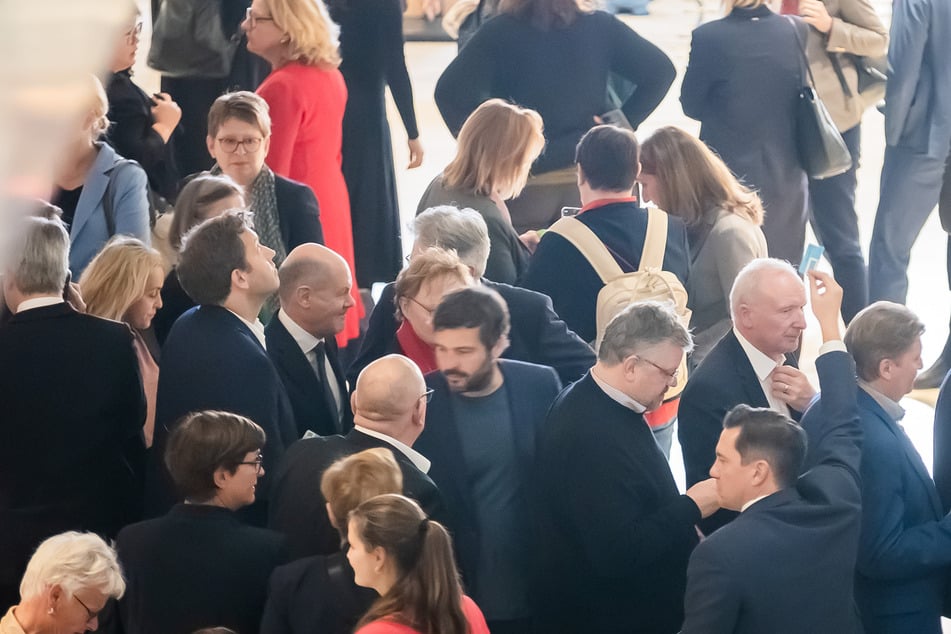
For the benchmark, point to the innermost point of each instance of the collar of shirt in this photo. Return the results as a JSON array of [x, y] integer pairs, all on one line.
[[752, 502], [601, 202], [304, 339], [893, 409], [256, 328], [762, 363], [617, 395], [9, 624], [39, 302], [418, 459]]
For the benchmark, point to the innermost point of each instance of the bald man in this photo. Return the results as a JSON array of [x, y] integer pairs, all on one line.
[[751, 365], [389, 410], [315, 297]]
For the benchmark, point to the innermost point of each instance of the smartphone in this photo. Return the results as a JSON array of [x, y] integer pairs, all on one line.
[[570, 212], [810, 258], [617, 118], [69, 278]]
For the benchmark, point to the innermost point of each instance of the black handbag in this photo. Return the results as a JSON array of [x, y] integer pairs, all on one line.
[[188, 40], [822, 152]]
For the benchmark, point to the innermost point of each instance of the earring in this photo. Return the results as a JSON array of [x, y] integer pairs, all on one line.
[[285, 39], [50, 611]]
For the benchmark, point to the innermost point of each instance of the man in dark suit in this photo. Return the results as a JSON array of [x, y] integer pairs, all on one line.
[[482, 424], [786, 564], [214, 357], [751, 365], [905, 547], [389, 410], [71, 445], [315, 297], [537, 334], [608, 161], [614, 531], [917, 139]]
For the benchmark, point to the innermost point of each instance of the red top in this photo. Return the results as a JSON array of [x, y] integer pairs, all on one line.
[[473, 614], [412, 346], [307, 105]]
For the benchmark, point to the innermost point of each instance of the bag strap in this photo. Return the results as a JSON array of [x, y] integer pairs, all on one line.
[[655, 240], [802, 51], [590, 246]]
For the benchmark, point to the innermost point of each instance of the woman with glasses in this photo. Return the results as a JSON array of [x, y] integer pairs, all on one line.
[[307, 97], [199, 565], [67, 583], [142, 126]]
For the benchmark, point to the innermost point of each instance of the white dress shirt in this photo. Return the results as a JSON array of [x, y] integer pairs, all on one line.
[[256, 328], [308, 344], [763, 366], [418, 459], [39, 302], [617, 395]]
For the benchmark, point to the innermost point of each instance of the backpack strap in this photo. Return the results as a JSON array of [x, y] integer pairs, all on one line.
[[590, 246], [655, 240]]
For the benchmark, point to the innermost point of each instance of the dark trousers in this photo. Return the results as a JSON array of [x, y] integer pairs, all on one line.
[[910, 188], [833, 218]]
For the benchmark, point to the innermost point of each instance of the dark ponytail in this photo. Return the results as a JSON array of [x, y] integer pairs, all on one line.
[[427, 595]]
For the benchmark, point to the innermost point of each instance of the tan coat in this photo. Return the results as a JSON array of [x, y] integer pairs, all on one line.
[[856, 29]]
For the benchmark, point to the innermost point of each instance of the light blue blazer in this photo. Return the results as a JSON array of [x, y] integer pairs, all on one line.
[[130, 205]]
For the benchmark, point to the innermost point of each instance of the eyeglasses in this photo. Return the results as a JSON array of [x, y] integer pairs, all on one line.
[[256, 463], [429, 311], [231, 145], [134, 33], [254, 19], [92, 615], [671, 375], [428, 395]]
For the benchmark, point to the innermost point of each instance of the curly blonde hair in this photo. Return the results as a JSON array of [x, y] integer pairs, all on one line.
[[313, 36]]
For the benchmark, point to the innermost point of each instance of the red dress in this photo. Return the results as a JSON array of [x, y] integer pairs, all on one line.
[[307, 105], [473, 614]]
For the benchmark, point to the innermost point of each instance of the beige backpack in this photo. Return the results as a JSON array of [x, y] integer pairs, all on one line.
[[648, 282]]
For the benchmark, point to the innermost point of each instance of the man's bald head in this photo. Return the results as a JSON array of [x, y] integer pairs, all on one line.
[[315, 289], [388, 391], [309, 264]]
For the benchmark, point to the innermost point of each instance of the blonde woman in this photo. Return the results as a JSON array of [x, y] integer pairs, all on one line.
[[683, 177], [307, 97], [124, 283], [101, 194], [497, 145]]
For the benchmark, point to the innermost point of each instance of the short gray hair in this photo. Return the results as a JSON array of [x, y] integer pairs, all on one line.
[[749, 278], [38, 257], [73, 561], [461, 230], [640, 325], [884, 330]]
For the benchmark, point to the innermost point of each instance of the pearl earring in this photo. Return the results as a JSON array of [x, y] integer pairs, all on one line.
[[50, 611]]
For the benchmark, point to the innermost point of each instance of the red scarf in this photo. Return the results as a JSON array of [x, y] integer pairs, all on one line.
[[415, 348]]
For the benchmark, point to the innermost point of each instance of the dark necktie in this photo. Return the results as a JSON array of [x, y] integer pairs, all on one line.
[[321, 352]]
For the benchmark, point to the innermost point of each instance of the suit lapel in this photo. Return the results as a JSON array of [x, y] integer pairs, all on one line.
[[522, 418], [291, 357], [449, 474], [745, 375], [93, 189]]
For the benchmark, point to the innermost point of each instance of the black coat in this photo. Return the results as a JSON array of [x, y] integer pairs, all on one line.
[[315, 594], [537, 335], [723, 380], [786, 564], [71, 447], [313, 408], [298, 509], [212, 360], [197, 567], [614, 532]]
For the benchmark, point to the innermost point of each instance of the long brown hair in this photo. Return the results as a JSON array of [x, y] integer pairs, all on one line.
[[693, 181], [427, 595], [547, 14]]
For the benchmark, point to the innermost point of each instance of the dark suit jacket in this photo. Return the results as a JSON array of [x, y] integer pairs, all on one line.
[[560, 271], [537, 335], [722, 381], [614, 532], [71, 448], [942, 444], [298, 510], [530, 389], [905, 545], [196, 567], [212, 360], [298, 213], [315, 594], [786, 564], [311, 408]]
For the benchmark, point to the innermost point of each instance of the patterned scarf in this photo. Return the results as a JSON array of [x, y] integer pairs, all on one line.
[[262, 201]]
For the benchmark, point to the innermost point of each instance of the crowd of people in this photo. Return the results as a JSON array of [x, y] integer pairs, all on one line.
[[233, 449]]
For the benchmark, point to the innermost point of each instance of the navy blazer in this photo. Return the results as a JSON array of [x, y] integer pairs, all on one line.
[[297, 212], [905, 546], [312, 411], [89, 231], [786, 564], [212, 360], [530, 389], [537, 335], [559, 270]]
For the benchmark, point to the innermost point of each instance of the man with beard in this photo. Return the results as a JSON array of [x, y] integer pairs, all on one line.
[[480, 436]]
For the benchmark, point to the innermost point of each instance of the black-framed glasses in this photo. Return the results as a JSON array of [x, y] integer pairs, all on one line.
[[256, 463], [428, 395], [671, 375], [134, 33], [231, 146], [92, 615], [253, 19]]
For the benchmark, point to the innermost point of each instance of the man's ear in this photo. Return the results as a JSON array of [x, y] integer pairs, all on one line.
[[581, 179], [761, 472], [239, 279], [885, 368], [210, 144], [637, 171]]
